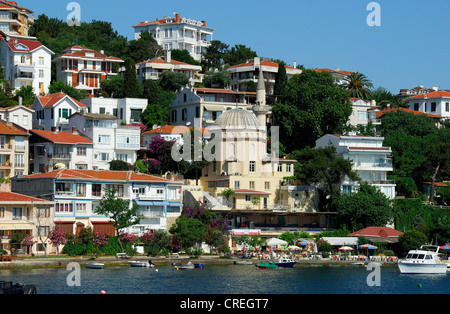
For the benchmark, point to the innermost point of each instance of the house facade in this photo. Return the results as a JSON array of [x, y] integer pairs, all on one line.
[[178, 33], [361, 111], [20, 115], [13, 150], [76, 193], [51, 150], [127, 110], [200, 107], [338, 74], [242, 74], [14, 19], [29, 216], [371, 160], [436, 103], [111, 141], [26, 63], [53, 110], [85, 68], [152, 69]]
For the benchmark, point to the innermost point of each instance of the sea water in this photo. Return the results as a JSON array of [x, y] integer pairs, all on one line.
[[228, 279]]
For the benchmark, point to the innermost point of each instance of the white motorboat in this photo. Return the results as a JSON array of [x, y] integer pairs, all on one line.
[[422, 261], [94, 265], [141, 264], [285, 262]]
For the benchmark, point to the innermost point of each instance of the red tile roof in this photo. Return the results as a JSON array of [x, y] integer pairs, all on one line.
[[161, 61], [217, 90], [30, 44], [62, 137], [382, 112], [82, 54], [53, 99], [333, 71], [15, 197], [264, 63], [435, 94], [379, 232], [13, 4], [11, 129], [104, 175], [169, 129]]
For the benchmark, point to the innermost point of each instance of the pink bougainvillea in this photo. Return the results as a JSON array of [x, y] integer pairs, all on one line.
[[147, 237], [101, 239], [57, 236], [128, 237]]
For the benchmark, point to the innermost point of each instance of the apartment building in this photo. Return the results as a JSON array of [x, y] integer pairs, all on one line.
[[13, 150], [50, 150], [85, 68], [152, 69], [338, 74], [178, 33], [53, 110], [29, 216], [127, 110], [26, 63], [76, 193], [361, 114], [111, 140], [371, 160], [14, 19], [242, 74]]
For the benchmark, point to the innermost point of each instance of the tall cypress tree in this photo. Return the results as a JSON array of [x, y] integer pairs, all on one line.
[[132, 86], [280, 82]]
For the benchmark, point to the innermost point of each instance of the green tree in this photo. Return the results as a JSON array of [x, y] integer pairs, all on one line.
[[60, 86], [368, 207], [132, 86], [358, 85], [438, 162], [118, 165], [183, 56], [27, 94], [238, 54], [411, 240], [113, 87], [280, 82], [172, 81], [217, 79], [144, 48], [119, 211], [313, 106], [213, 56]]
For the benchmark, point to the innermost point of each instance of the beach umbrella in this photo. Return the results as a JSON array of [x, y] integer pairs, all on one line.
[[345, 248], [275, 242], [368, 246], [293, 247], [306, 242], [445, 247]]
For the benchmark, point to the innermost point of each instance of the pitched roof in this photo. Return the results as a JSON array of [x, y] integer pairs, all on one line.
[[172, 129], [80, 52], [11, 129], [95, 175], [13, 4], [435, 94], [379, 114], [333, 71], [62, 137], [53, 99], [263, 63], [23, 45], [8, 197], [377, 232]]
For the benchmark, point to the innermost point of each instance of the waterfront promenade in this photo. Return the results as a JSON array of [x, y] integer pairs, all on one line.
[[63, 261]]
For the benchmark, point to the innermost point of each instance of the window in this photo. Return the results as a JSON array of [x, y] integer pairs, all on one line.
[[173, 116], [117, 187], [17, 213], [237, 184], [433, 107], [251, 185], [103, 156], [2, 212], [267, 185], [123, 157], [288, 167], [64, 112], [81, 189], [44, 230], [81, 207], [96, 189], [247, 198], [81, 151], [447, 106], [280, 168], [252, 166], [184, 114], [103, 139], [43, 212], [41, 73], [362, 115], [19, 160], [41, 60]]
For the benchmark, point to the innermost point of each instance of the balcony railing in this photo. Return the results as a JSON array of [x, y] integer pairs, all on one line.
[[59, 156]]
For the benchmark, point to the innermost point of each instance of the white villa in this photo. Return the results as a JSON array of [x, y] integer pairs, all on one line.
[[370, 159], [178, 33], [436, 103]]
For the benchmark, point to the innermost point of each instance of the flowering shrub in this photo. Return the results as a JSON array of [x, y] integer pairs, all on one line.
[[128, 238], [57, 236], [28, 240], [101, 239], [147, 237]]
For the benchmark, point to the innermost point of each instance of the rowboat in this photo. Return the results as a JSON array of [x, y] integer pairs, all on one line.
[[141, 264], [264, 265], [189, 265], [94, 265]]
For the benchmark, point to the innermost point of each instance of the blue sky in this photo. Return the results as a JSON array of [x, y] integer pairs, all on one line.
[[410, 48]]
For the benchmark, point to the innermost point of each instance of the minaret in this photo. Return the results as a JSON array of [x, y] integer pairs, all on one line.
[[260, 109]]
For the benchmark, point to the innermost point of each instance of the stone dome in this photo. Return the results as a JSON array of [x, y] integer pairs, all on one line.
[[237, 119]]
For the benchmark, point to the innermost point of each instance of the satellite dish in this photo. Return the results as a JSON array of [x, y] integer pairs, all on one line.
[[188, 123]]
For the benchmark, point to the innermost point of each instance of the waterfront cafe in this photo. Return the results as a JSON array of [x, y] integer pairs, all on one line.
[[236, 233]]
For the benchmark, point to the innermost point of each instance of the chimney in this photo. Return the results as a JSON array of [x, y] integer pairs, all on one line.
[[204, 23], [177, 17], [74, 130], [54, 129], [20, 100], [295, 64], [435, 88]]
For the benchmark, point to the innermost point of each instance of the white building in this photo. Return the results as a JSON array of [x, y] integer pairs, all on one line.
[[19, 115], [436, 103], [76, 193], [111, 141], [178, 33], [370, 160], [361, 111], [85, 68], [200, 107], [242, 74], [53, 110], [152, 69], [338, 75], [26, 62], [51, 150], [127, 110], [14, 19]]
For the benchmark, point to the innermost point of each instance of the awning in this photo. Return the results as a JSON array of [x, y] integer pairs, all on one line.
[[144, 203], [26, 69], [245, 231], [175, 204], [17, 226], [154, 203], [341, 240]]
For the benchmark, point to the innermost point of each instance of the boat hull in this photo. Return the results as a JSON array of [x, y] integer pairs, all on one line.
[[140, 264], [94, 266], [266, 266], [286, 264], [415, 268]]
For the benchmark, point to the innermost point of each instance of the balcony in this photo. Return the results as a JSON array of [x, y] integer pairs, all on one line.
[[59, 156], [5, 164]]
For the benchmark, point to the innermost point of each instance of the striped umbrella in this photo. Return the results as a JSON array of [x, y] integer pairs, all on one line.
[[445, 247], [306, 242], [368, 246]]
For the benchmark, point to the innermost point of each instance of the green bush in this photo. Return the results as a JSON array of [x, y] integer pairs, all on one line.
[[194, 251]]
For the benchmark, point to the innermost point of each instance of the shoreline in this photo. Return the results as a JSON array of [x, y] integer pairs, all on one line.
[[158, 261]]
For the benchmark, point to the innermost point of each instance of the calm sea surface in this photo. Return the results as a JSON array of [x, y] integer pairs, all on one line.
[[229, 279]]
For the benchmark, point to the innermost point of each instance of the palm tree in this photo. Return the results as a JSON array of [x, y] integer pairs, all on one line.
[[358, 85]]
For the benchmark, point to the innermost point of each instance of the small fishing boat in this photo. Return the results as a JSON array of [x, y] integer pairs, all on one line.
[[94, 265], [189, 265], [285, 262], [356, 263], [243, 263], [141, 264], [199, 265], [264, 265]]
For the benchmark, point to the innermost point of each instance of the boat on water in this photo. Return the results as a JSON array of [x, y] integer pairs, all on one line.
[[95, 265], [264, 265], [141, 264], [422, 261], [243, 263], [189, 265], [285, 262]]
